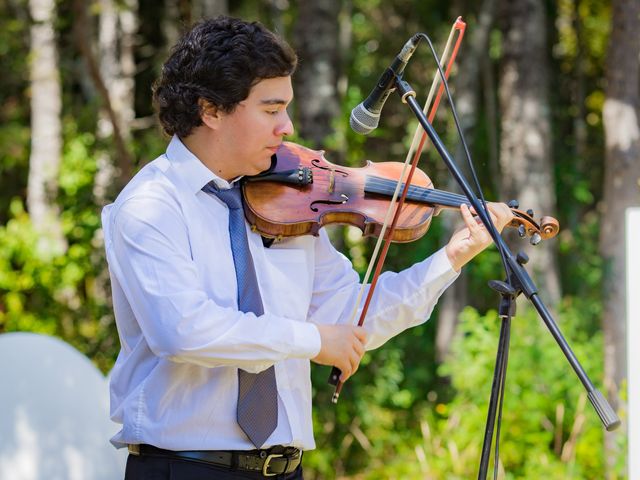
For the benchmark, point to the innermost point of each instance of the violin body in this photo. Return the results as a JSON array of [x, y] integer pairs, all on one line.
[[304, 192], [335, 196]]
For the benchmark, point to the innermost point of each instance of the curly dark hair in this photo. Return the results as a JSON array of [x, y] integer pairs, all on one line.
[[217, 60]]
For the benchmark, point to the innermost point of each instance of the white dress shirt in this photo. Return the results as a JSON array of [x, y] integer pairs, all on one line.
[[175, 383]]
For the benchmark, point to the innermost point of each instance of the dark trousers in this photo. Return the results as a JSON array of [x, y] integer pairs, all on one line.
[[146, 467]]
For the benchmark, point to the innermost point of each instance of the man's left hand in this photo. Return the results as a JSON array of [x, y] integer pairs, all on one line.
[[473, 238]]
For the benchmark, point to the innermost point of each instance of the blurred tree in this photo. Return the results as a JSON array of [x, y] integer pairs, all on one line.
[[317, 41], [171, 23], [621, 188], [117, 27], [46, 130], [85, 44], [468, 95], [525, 145], [208, 9]]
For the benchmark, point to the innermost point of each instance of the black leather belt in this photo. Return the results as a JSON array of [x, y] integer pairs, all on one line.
[[271, 462]]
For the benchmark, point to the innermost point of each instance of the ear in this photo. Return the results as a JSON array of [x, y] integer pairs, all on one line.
[[209, 113]]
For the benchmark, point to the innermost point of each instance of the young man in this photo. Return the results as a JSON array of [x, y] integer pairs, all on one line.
[[216, 329]]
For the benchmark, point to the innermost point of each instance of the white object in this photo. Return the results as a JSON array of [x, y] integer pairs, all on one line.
[[633, 338], [55, 413]]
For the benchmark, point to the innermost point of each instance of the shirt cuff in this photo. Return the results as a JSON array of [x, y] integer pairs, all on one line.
[[441, 265], [306, 340]]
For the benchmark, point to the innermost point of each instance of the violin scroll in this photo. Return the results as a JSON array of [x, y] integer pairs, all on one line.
[[527, 226]]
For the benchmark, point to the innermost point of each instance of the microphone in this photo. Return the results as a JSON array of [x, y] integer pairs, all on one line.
[[366, 115]]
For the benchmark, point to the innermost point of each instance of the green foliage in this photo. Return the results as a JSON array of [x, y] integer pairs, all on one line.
[[14, 110], [549, 428], [62, 294]]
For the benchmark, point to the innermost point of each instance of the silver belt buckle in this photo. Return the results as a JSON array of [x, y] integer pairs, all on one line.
[[267, 460]]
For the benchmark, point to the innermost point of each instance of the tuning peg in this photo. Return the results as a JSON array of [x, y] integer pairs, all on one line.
[[513, 204], [535, 238], [521, 231], [530, 212]]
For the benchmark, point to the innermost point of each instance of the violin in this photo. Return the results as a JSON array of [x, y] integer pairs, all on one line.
[[303, 192]]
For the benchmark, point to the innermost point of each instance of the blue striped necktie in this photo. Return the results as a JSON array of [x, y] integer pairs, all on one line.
[[257, 392]]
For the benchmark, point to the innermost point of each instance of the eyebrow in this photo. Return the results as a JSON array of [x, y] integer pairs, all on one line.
[[273, 101]]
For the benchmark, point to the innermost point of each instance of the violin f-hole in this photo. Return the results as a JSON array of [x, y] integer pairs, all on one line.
[[312, 206]]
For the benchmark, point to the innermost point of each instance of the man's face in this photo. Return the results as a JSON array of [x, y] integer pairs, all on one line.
[[252, 133]]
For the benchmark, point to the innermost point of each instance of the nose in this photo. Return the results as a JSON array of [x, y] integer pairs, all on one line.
[[286, 127]]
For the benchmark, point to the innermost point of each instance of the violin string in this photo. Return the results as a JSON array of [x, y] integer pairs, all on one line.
[[416, 192], [387, 186], [421, 193]]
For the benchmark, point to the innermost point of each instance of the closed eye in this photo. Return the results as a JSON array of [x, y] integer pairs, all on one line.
[[274, 105]]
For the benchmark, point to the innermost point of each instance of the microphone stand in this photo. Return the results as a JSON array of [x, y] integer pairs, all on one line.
[[517, 281]]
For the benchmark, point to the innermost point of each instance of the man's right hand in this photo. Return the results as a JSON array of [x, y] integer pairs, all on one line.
[[342, 347]]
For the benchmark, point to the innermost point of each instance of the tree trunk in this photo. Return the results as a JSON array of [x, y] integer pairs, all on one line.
[[320, 34], [46, 127], [276, 12], [525, 146], [81, 27], [116, 32], [117, 28], [317, 43], [621, 189], [468, 97], [171, 21], [208, 9]]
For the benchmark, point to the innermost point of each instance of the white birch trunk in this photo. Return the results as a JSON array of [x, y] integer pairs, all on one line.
[[117, 27], [46, 136]]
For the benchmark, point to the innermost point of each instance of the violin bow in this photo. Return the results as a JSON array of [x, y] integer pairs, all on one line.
[[416, 148]]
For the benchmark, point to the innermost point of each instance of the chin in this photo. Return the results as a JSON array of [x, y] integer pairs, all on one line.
[[264, 165]]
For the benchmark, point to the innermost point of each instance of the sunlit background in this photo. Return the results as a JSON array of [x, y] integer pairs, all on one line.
[[547, 94]]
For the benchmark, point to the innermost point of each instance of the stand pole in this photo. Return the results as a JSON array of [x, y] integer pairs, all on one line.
[[497, 392]]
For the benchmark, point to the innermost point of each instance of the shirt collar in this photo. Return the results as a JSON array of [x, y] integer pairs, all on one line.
[[190, 169]]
